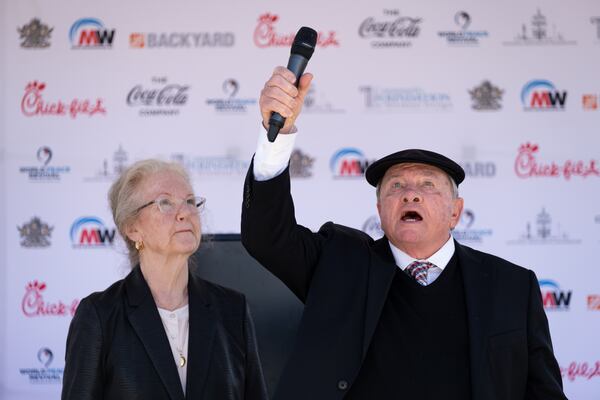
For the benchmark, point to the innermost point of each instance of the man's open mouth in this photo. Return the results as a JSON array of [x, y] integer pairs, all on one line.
[[411, 216]]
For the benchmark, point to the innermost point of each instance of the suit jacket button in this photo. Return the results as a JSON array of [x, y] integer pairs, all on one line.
[[342, 385]]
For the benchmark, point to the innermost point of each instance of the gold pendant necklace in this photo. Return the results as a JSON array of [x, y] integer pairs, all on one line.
[[182, 359], [180, 341]]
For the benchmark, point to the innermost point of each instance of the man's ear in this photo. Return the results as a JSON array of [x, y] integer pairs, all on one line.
[[457, 209]]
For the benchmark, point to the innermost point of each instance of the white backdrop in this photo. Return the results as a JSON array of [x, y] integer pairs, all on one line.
[[91, 87]]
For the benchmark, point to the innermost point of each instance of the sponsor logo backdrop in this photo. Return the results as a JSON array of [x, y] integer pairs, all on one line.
[[509, 90]]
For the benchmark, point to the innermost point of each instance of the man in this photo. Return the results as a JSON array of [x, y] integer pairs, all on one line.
[[414, 315]]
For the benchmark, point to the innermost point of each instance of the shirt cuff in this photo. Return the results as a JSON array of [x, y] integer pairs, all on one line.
[[271, 159]]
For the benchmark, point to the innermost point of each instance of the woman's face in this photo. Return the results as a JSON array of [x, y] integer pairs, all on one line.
[[172, 233]]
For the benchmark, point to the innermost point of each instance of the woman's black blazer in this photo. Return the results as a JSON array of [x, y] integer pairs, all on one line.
[[117, 347]]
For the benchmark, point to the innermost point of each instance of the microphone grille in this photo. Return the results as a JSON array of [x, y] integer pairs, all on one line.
[[305, 42]]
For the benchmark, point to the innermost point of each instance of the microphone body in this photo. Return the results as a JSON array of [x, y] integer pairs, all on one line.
[[302, 49]]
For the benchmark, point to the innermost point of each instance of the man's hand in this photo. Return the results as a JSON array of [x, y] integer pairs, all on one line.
[[280, 95]]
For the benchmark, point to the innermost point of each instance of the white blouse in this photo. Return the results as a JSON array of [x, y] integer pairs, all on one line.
[[176, 324]]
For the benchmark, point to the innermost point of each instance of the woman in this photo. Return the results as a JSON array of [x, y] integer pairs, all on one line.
[[161, 333]]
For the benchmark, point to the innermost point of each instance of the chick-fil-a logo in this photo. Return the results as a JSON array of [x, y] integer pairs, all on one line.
[[527, 165], [33, 104], [34, 305], [265, 35], [582, 370]]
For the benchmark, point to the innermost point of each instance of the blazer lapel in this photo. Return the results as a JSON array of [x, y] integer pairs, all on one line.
[[203, 324], [381, 273], [477, 281], [146, 322]]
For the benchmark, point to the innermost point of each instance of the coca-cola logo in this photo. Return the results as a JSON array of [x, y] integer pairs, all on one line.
[[265, 34], [528, 166], [33, 104], [161, 99], [169, 95], [393, 30], [34, 305], [581, 370], [396, 28]]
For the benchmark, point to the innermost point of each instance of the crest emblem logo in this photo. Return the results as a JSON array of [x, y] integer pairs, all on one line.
[[35, 35], [35, 233], [301, 164], [486, 97]]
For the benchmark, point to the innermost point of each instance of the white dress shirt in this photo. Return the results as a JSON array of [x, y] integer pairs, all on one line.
[[440, 259], [176, 324], [271, 159]]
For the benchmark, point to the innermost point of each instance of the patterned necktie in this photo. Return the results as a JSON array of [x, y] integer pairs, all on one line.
[[418, 270]]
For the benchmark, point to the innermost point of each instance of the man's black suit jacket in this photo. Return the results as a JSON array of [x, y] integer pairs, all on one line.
[[117, 347], [343, 278]]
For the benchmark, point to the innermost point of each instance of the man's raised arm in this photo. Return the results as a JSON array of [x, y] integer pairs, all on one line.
[[269, 229]]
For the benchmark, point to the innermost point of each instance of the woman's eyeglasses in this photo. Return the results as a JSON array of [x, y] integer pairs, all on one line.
[[170, 205]]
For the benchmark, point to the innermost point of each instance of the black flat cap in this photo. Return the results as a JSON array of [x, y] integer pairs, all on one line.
[[377, 170]]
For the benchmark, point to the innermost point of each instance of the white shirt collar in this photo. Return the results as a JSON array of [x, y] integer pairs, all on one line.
[[440, 258]]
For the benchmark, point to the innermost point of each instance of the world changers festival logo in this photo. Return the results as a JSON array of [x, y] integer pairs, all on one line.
[[463, 36], [231, 103], [468, 232], [43, 373], [45, 172]]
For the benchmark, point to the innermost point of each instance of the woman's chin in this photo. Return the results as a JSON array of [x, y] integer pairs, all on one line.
[[187, 247]]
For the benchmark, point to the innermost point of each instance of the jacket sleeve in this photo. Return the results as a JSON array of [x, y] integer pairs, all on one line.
[[544, 381], [255, 387], [272, 236], [83, 374]]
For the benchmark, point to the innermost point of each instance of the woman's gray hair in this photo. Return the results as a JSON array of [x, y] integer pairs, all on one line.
[[123, 196]]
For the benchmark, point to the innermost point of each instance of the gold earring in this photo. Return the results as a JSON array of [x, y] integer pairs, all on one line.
[[139, 246]]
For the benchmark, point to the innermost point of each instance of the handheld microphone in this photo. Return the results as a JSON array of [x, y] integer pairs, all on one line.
[[302, 49]]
